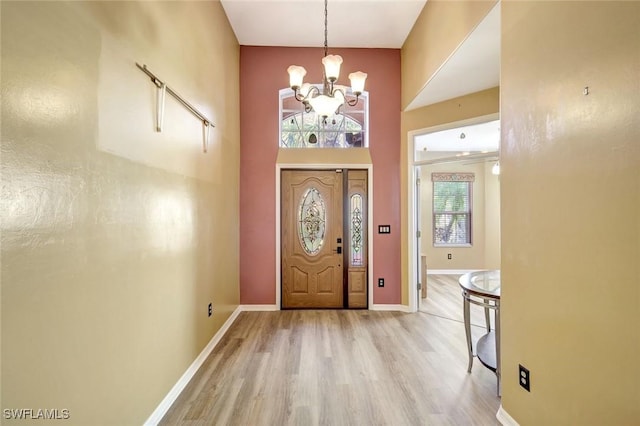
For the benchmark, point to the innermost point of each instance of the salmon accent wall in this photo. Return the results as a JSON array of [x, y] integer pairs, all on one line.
[[263, 72]]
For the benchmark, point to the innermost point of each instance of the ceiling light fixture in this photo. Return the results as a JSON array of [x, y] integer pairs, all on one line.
[[332, 97]]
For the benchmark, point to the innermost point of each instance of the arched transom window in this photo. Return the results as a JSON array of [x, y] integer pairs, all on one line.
[[347, 129]]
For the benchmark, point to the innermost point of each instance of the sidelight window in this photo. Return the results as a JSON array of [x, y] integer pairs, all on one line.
[[356, 232]]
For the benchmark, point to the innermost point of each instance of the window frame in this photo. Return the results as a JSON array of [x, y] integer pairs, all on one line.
[[467, 178], [363, 100]]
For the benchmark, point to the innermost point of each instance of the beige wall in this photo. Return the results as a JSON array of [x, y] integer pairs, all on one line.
[[465, 107], [484, 250], [323, 156], [570, 189], [439, 30], [114, 238]]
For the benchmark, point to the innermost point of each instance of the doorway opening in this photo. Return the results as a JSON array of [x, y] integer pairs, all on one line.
[[454, 210]]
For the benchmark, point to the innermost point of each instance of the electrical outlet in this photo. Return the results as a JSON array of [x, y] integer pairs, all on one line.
[[210, 309], [449, 256], [523, 376], [380, 282]]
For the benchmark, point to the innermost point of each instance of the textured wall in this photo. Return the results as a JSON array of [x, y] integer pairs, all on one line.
[[570, 185], [263, 74], [114, 238]]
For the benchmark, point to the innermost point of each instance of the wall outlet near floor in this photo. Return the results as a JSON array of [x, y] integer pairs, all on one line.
[[210, 309], [449, 256], [380, 282], [523, 377]]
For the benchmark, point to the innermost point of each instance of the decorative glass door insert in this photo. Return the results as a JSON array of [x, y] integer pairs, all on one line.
[[312, 221], [356, 230]]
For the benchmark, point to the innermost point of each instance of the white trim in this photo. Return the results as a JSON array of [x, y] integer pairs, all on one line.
[[285, 166], [397, 308], [504, 418], [278, 240], [411, 197], [175, 391], [449, 271], [259, 308], [412, 224]]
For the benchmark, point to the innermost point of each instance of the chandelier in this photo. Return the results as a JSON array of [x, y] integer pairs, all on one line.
[[333, 96]]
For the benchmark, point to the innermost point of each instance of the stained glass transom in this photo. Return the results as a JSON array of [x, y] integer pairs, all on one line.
[[357, 243], [311, 221], [300, 129]]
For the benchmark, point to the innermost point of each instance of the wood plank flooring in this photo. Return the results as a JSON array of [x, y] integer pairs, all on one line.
[[445, 300], [339, 367]]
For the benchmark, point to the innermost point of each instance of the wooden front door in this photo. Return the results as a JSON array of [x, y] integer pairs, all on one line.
[[311, 238]]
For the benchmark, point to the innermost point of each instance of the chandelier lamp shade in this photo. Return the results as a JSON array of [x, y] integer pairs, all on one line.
[[328, 101]]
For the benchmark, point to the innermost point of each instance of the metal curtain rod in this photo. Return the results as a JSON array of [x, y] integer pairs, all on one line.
[[162, 86]]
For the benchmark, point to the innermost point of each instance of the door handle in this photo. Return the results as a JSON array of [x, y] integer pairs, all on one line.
[[338, 250]]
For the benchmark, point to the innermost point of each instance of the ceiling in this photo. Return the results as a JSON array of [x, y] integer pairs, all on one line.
[[472, 67], [300, 23], [475, 140]]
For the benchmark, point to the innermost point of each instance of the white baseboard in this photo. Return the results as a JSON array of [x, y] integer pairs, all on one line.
[[175, 391], [504, 418], [248, 308], [449, 271], [378, 307], [397, 308]]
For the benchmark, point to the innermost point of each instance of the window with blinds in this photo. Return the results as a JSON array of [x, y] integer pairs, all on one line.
[[452, 208]]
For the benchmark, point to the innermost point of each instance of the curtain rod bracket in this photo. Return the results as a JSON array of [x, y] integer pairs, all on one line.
[[205, 135], [162, 90]]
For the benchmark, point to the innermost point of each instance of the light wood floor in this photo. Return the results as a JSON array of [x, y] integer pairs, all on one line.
[[339, 367], [444, 299]]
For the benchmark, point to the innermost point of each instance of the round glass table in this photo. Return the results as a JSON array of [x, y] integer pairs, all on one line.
[[482, 288]]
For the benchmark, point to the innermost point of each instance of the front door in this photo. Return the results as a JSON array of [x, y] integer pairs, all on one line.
[[312, 225]]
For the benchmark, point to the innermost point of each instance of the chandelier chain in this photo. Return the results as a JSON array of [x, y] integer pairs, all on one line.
[[328, 100], [326, 46], [326, 90]]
